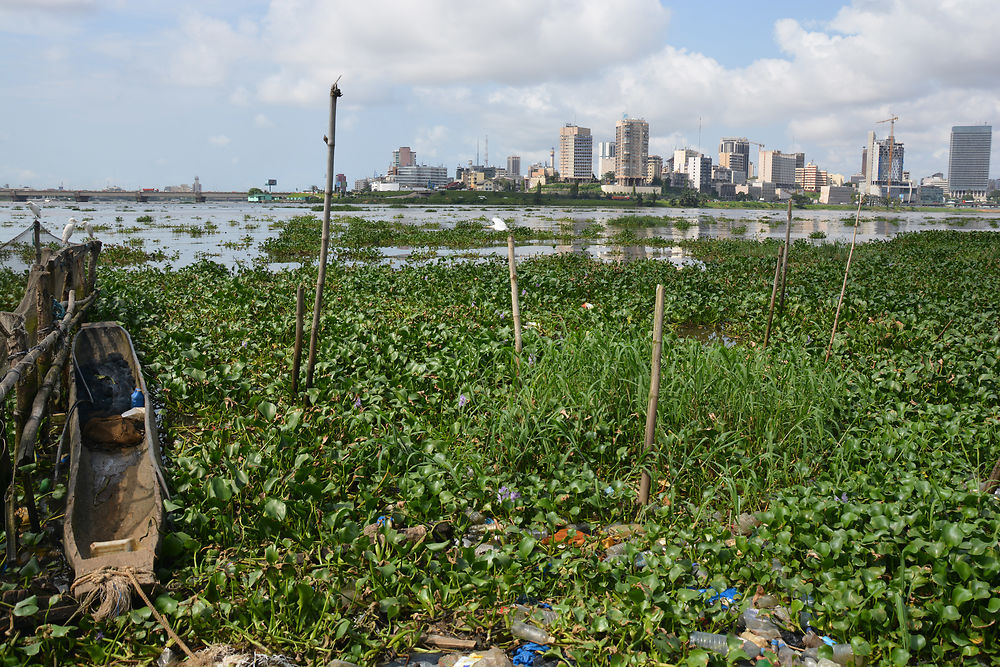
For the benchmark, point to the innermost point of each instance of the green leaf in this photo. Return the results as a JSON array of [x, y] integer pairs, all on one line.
[[960, 594], [952, 534], [220, 489], [27, 607], [526, 546], [900, 656], [275, 509], [268, 409]]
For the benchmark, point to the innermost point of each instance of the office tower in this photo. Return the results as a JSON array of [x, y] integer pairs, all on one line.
[[777, 168], [877, 171], [699, 172], [404, 157], [514, 166], [969, 161], [605, 158], [631, 151], [576, 153], [654, 168], [681, 157], [734, 153]]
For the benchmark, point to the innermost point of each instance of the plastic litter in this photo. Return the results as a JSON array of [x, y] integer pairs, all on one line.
[[530, 633], [138, 400], [525, 654], [760, 625]]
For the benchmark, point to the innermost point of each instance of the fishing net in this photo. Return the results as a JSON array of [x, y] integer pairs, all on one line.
[[18, 254]]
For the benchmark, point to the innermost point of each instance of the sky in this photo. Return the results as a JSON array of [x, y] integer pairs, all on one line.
[[132, 93]]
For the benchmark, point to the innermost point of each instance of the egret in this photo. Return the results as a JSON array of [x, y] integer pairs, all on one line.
[[499, 225], [35, 210], [89, 227], [68, 230]]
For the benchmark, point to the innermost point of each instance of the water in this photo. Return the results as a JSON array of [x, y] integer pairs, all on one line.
[[231, 232]]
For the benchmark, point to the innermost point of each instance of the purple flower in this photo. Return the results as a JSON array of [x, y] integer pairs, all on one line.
[[531, 360], [523, 292], [507, 493], [462, 400], [357, 402]]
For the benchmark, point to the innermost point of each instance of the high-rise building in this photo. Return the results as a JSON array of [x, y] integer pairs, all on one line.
[[576, 153], [777, 168], [969, 161], [605, 158], [422, 176], [654, 168], [514, 166], [631, 151], [734, 153], [699, 172], [877, 170], [681, 157], [404, 157], [810, 178]]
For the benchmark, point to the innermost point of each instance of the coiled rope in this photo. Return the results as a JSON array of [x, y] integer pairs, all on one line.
[[111, 586]]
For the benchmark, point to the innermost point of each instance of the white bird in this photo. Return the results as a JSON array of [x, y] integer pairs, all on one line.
[[68, 230], [89, 227], [499, 225], [35, 210]]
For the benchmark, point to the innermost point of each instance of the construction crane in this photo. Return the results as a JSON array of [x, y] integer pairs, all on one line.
[[892, 144]]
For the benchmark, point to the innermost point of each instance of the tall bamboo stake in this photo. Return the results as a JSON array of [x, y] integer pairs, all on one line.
[[324, 248], [515, 305], [774, 292], [784, 260], [654, 391], [300, 312], [843, 288]]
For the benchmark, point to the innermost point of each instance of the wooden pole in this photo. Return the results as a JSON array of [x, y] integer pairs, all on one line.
[[654, 391], [515, 305], [300, 312], [774, 292], [784, 260], [324, 248], [38, 240], [843, 287], [992, 481]]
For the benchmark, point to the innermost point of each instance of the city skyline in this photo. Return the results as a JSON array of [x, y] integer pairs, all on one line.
[[112, 93]]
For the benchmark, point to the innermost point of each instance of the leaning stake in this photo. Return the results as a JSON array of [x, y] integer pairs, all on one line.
[[843, 288], [514, 304], [321, 278], [654, 391]]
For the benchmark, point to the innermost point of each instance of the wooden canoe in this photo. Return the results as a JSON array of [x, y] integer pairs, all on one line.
[[114, 507]]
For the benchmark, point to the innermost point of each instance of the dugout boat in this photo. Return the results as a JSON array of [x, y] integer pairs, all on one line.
[[114, 508]]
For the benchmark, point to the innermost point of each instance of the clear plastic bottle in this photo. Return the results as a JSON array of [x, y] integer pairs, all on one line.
[[537, 614], [710, 641], [843, 654], [760, 625], [530, 633]]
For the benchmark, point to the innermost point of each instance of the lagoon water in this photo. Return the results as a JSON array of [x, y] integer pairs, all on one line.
[[231, 232]]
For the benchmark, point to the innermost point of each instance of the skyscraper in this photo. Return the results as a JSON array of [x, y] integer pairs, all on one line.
[[631, 151], [404, 157], [514, 166], [576, 153], [778, 168], [877, 169], [969, 160], [734, 152], [605, 158]]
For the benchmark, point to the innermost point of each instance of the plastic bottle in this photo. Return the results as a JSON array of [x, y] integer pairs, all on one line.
[[138, 400], [710, 641], [530, 633], [759, 625], [843, 654], [537, 614]]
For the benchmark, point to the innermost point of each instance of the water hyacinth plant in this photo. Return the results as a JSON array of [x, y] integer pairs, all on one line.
[[862, 473]]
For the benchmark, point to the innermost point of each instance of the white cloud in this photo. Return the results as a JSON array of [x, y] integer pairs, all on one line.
[[219, 140], [262, 121]]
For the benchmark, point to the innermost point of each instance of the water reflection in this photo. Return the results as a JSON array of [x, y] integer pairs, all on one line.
[[231, 232]]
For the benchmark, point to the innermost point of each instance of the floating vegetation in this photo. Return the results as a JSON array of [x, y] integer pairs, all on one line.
[[739, 230], [144, 218], [817, 234], [858, 477], [130, 254]]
